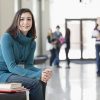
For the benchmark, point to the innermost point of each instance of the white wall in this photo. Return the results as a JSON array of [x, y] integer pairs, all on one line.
[[61, 9], [6, 14]]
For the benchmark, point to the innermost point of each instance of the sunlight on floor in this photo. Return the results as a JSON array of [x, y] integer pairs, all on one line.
[[77, 83]]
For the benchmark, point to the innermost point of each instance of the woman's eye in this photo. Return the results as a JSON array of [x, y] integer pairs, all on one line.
[[28, 19], [21, 19]]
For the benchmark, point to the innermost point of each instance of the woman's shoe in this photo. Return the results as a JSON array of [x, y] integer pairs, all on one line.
[[68, 67]]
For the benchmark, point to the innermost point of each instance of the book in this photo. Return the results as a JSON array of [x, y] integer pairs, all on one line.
[[21, 89], [10, 85]]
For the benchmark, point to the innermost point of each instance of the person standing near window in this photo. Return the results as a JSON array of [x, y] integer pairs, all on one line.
[[96, 34], [67, 42], [17, 46]]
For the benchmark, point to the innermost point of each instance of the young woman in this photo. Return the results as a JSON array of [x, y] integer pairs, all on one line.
[[17, 46]]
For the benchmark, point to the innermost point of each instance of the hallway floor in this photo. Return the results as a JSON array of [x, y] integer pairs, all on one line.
[[80, 82]]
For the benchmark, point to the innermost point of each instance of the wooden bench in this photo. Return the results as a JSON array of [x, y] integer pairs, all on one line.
[[14, 96], [40, 59]]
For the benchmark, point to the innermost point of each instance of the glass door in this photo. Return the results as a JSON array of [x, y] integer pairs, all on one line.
[[88, 41], [82, 43], [75, 51]]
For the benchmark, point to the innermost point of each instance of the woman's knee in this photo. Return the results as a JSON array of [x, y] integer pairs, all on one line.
[[31, 83]]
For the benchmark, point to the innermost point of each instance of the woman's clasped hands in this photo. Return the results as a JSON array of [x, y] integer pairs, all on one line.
[[46, 75]]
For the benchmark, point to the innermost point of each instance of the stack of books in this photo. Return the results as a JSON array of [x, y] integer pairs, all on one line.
[[11, 87]]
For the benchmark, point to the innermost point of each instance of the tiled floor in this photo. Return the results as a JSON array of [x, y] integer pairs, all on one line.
[[77, 83]]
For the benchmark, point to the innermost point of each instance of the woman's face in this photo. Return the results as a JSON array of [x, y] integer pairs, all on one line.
[[25, 23]]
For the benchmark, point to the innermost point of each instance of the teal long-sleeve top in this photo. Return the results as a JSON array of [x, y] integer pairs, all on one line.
[[14, 51]]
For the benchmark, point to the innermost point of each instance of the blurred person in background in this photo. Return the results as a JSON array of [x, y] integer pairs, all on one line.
[[57, 34], [67, 48], [96, 35], [51, 46]]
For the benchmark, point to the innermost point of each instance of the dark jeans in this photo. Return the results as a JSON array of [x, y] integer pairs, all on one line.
[[56, 60], [98, 57], [53, 56], [67, 58], [36, 87]]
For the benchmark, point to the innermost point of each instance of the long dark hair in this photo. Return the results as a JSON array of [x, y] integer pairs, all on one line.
[[13, 29]]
